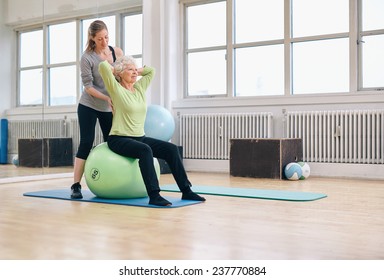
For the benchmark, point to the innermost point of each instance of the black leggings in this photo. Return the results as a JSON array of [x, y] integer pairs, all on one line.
[[87, 122], [145, 149]]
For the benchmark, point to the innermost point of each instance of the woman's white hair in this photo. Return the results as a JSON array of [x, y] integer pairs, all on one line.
[[122, 62]]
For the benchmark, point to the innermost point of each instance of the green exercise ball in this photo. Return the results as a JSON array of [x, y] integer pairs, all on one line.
[[109, 175]]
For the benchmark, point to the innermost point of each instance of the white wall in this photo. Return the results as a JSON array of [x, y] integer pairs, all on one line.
[[7, 68], [161, 49]]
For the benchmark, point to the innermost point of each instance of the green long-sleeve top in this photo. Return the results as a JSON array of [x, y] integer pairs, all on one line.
[[130, 108]]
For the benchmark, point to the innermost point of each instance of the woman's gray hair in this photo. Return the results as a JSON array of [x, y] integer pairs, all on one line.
[[122, 62]]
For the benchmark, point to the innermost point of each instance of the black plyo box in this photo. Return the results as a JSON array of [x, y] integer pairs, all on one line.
[[263, 157], [46, 152]]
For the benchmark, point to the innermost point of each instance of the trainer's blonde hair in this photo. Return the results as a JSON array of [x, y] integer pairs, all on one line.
[[93, 29]]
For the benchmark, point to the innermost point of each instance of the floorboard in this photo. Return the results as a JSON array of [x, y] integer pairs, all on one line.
[[346, 225]]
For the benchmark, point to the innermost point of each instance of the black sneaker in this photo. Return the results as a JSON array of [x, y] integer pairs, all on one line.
[[76, 191]]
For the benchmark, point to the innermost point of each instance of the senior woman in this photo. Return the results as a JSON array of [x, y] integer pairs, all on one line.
[[127, 135]]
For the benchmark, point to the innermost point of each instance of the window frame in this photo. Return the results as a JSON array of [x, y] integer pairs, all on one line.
[[20, 68], [49, 65], [187, 51], [123, 31], [46, 66], [353, 35], [359, 43]]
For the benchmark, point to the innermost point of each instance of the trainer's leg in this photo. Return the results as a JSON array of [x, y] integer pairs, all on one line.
[[87, 121], [105, 121]]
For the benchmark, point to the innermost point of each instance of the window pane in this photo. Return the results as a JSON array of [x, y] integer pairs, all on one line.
[[259, 20], [207, 73], [111, 25], [139, 62], [260, 71], [31, 48], [31, 82], [373, 61], [133, 35], [314, 17], [63, 85], [321, 66], [373, 11], [62, 42], [207, 25]]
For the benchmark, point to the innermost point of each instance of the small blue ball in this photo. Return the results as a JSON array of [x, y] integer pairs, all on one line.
[[306, 170], [293, 171], [15, 160]]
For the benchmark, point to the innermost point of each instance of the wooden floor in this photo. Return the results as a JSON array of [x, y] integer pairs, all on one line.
[[348, 224]]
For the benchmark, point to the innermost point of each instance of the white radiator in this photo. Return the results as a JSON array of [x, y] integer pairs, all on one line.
[[60, 128], [206, 136], [351, 136]]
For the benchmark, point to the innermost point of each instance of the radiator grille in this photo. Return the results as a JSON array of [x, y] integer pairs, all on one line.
[[61, 128], [34, 129], [350, 136], [206, 136]]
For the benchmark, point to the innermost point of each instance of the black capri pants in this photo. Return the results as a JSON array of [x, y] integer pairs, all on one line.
[[145, 149], [87, 122]]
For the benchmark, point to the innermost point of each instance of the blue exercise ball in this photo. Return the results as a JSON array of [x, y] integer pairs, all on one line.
[[110, 175], [159, 123]]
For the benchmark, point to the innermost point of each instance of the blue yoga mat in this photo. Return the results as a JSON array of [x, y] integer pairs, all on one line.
[[88, 196], [250, 193]]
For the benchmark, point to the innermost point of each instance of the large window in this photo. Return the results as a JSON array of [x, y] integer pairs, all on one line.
[[49, 71], [320, 48], [206, 49], [133, 44], [31, 68], [282, 47], [258, 47], [62, 64], [320, 66], [48, 78], [371, 44]]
